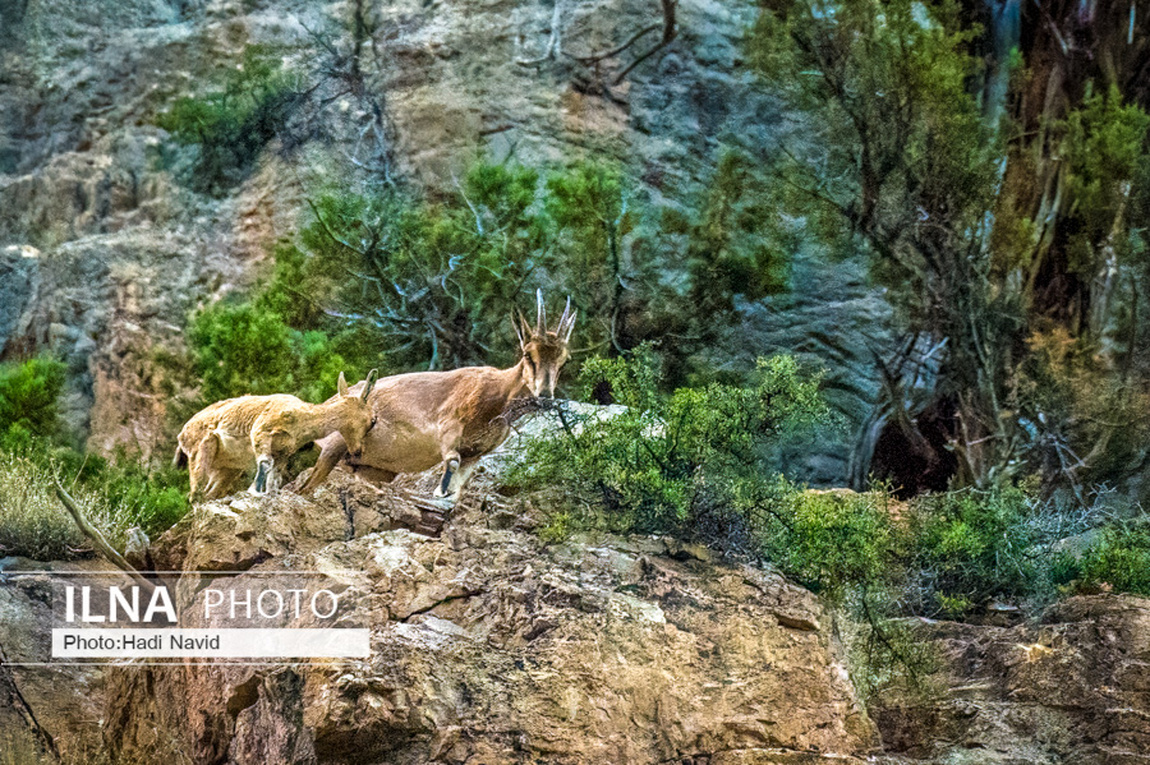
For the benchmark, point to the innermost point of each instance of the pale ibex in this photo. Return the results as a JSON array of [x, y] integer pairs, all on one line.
[[221, 441], [451, 417]]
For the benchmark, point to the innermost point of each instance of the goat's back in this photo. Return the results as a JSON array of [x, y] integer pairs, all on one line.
[[234, 416], [414, 410]]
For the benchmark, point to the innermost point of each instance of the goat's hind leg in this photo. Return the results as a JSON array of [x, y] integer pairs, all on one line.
[[200, 461], [222, 483]]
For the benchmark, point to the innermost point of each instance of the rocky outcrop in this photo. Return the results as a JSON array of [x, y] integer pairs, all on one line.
[[489, 646], [47, 713], [1072, 688]]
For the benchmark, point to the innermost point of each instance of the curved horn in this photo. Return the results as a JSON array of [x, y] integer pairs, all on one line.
[[565, 317], [367, 386], [522, 328], [566, 322], [541, 312]]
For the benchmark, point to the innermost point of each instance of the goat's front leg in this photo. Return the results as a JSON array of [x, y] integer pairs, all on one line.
[[332, 450], [460, 480], [450, 465]]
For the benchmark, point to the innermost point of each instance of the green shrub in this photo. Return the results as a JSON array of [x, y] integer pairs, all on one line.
[[28, 394], [153, 497], [970, 546], [233, 122], [665, 465], [1119, 561], [833, 543], [34, 524], [245, 348], [122, 493]]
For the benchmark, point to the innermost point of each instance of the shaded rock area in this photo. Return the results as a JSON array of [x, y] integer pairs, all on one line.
[[488, 646], [1073, 688], [45, 712]]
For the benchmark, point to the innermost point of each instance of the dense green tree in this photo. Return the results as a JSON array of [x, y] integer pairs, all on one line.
[[907, 159]]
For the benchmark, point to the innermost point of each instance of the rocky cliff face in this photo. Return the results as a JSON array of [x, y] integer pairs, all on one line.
[[1070, 688], [488, 646], [123, 249]]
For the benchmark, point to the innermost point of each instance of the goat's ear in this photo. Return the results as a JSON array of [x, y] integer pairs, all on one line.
[[367, 386], [342, 384]]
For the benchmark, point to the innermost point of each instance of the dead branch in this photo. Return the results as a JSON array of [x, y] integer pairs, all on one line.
[[555, 47], [98, 539], [597, 57]]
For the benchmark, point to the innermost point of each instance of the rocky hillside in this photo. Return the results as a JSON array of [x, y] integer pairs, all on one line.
[[105, 248], [489, 646]]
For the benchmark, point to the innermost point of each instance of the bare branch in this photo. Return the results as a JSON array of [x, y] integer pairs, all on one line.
[[98, 539], [669, 31], [597, 57]]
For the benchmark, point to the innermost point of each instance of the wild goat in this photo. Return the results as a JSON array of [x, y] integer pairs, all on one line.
[[221, 441], [450, 417]]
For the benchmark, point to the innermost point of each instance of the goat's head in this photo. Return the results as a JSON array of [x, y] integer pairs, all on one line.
[[544, 350], [357, 414]]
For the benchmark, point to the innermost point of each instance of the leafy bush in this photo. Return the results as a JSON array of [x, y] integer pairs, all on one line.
[[28, 394], [1119, 561], [33, 447], [734, 248], [975, 545], [246, 348], [663, 465], [432, 282], [830, 542], [153, 497], [118, 494], [233, 122]]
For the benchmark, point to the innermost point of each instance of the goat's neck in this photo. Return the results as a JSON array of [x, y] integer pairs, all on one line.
[[514, 383], [321, 419]]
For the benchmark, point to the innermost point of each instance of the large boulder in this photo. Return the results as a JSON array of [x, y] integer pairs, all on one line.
[[490, 646]]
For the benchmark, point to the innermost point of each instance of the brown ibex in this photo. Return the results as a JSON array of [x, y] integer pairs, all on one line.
[[221, 441], [451, 417]]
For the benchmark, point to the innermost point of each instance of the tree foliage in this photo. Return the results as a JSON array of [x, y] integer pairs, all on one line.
[[435, 279], [906, 164], [235, 118], [664, 463], [29, 392], [245, 348]]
